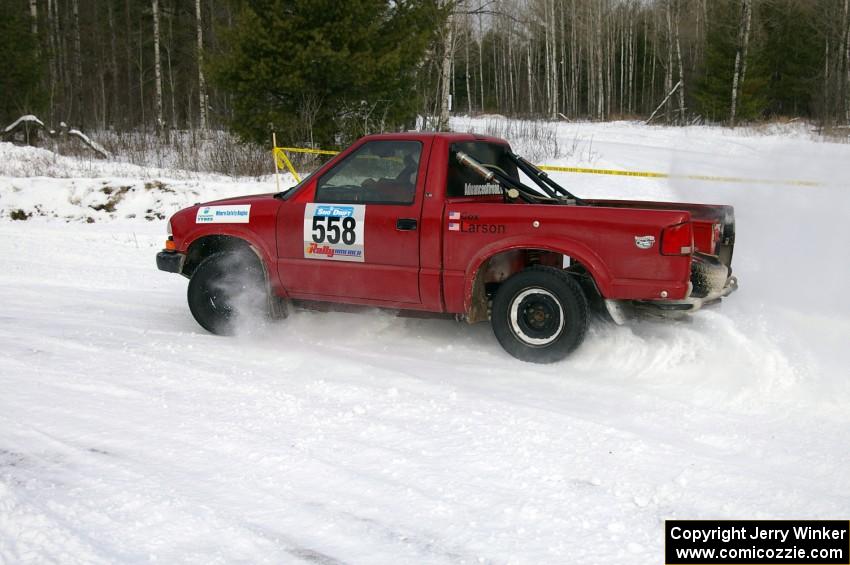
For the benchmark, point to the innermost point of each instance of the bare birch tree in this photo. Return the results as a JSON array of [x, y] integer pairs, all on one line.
[[468, 30], [553, 70], [846, 30], [157, 67], [741, 57], [445, 73], [78, 62], [202, 83], [681, 67], [668, 71], [34, 17]]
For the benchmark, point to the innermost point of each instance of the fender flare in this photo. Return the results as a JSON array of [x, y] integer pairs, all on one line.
[[565, 246], [252, 243]]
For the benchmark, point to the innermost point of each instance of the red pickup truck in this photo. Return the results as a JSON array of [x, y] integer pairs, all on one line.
[[450, 223]]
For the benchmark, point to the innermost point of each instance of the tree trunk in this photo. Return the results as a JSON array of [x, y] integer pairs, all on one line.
[[622, 68], [530, 80], [445, 72], [668, 71], [171, 85], [452, 85], [54, 57], [562, 61], [600, 80], [608, 50], [839, 91], [749, 19], [554, 61], [740, 58], [466, 47], [631, 79], [113, 62], [643, 69], [847, 61], [826, 77], [575, 62], [34, 17], [663, 102], [141, 66], [591, 63], [202, 83], [481, 57], [681, 68], [511, 98], [496, 84], [78, 64], [157, 68], [129, 118]]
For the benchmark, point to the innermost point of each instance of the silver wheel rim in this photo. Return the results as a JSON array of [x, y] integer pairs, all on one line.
[[517, 319]]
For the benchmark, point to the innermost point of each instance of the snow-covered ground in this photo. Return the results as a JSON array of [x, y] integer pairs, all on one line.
[[128, 434]]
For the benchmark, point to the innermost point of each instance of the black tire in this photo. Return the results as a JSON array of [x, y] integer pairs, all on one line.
[[228, 288], [540, 315]]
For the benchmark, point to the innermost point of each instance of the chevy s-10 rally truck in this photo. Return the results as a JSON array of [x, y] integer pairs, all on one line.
[[450, 223]]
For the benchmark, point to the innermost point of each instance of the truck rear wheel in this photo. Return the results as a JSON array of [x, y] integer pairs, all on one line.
[[228, 289], [540, 315]]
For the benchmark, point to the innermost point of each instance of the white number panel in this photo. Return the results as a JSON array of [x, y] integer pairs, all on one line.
[[334, 232]]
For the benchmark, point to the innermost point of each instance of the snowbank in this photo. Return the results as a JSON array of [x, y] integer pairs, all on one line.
[[37, 182]]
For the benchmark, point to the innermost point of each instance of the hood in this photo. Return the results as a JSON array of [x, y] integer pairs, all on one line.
[[248, 199]]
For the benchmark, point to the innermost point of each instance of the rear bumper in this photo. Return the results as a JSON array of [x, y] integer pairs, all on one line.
[[692, 303], [711, 281], [170, 261]]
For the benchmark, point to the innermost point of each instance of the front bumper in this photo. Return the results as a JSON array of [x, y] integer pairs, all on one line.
[[170, 261]]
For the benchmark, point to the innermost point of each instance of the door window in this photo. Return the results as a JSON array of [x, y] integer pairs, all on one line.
[[379, 172]]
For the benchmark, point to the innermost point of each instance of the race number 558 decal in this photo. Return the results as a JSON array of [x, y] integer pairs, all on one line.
[[334, 231]]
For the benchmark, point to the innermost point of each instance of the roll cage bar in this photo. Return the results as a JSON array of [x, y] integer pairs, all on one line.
[[513, 189]]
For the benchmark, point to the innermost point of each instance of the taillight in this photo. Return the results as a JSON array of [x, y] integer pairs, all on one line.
[[678, 239]]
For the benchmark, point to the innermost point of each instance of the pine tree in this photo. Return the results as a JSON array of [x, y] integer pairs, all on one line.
[[323, 69], [792, 56], [713, 90], [21, 71]]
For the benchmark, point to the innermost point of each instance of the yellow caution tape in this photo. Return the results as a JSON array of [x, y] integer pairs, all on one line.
[[650, 174], [283, 161], [306, 150], [601, 171], [748, 181]]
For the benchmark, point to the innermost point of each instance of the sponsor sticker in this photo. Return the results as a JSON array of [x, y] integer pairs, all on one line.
[[481, 189], [334, 232], [471, 223], [237, 214]]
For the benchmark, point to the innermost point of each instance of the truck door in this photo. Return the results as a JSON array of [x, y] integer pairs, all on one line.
[[360, 236]]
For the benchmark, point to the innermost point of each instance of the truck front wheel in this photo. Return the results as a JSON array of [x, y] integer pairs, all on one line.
[[227, 290], [540, 315]]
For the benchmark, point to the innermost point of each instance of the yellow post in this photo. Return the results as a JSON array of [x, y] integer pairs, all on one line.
[[276, 168]]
